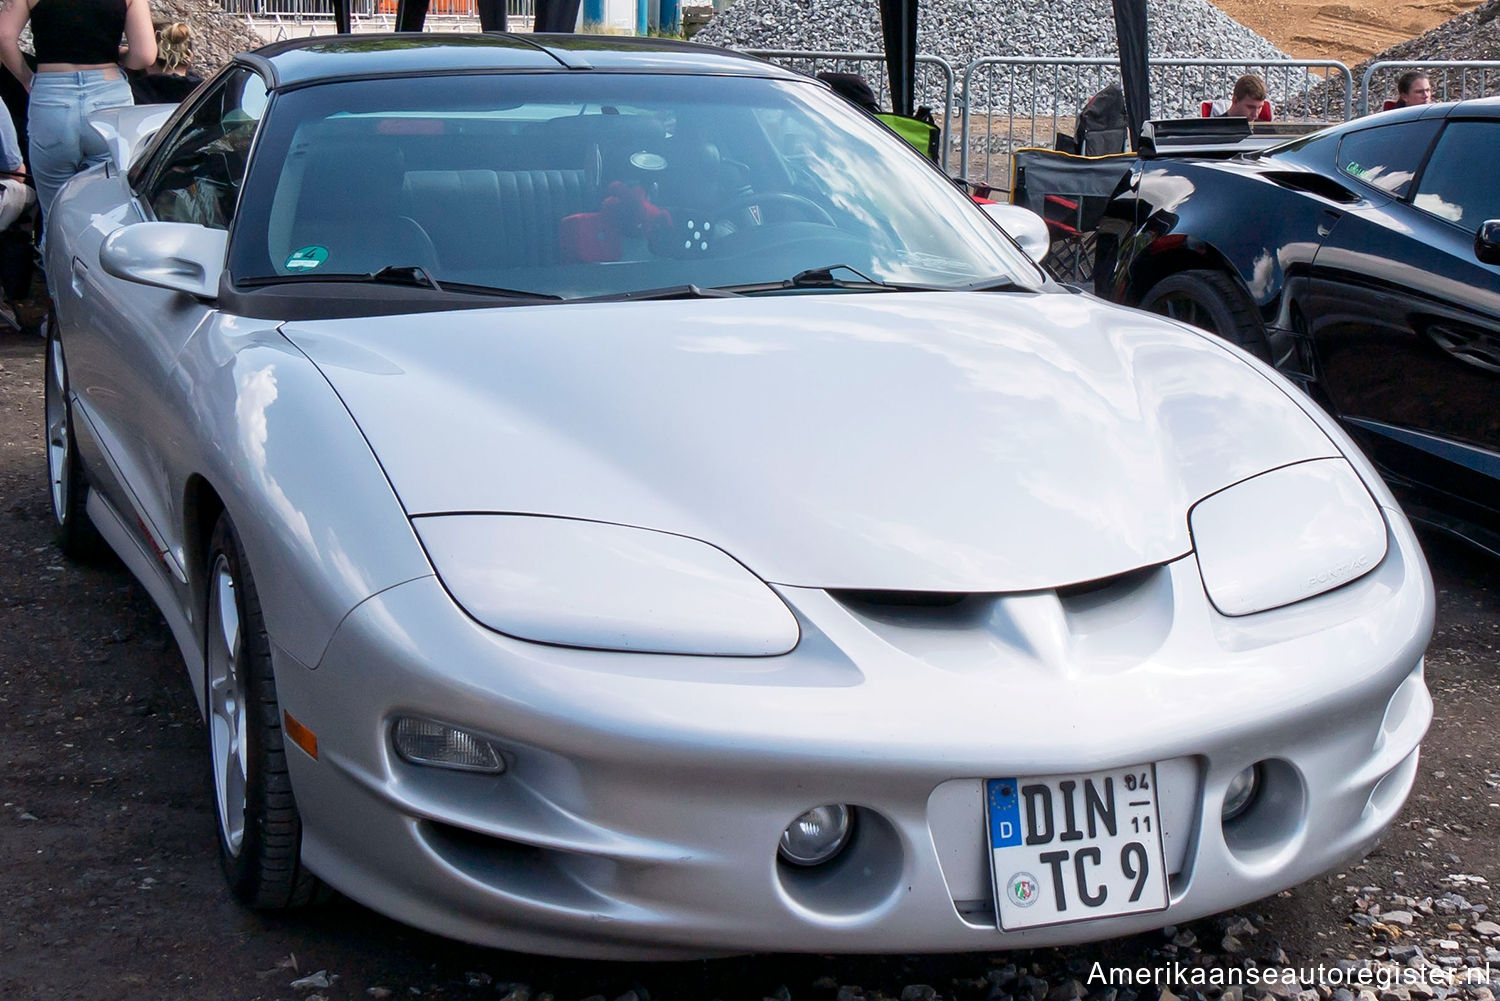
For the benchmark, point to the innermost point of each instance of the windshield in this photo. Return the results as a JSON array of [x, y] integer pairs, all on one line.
[[594, 184]]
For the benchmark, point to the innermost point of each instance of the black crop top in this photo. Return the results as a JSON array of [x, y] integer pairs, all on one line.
[[86, 32]]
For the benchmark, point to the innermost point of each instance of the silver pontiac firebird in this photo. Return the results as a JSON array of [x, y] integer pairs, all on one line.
[[615, 499]]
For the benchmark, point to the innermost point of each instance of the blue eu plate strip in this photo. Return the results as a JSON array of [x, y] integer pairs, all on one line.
[[1005, 813]]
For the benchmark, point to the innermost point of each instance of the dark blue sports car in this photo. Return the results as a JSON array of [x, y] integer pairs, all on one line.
[[1362, 260]]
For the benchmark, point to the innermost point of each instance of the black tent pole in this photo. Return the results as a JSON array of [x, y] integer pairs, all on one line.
[[1135, 64], [556, 15], [341, 20], [491, 15], [898, 27], [411, 15]]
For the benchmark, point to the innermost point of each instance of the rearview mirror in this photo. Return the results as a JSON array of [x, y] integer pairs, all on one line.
[[180, 256], [1024, 226], [1487, 242]]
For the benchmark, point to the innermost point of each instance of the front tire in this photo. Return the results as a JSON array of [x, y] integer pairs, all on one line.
[[73, 532], [260, 830], [1212, 301]]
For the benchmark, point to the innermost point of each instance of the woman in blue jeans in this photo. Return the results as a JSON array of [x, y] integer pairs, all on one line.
[[78, 72]]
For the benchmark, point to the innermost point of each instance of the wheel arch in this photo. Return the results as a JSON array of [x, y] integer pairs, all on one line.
[[1150, 268], [201, 507]]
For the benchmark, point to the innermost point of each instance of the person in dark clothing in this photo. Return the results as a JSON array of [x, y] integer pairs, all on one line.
[[171, 78], [853, 88], [78, 71]]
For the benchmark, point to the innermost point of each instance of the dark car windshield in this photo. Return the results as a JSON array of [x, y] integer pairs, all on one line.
[[594, 184]]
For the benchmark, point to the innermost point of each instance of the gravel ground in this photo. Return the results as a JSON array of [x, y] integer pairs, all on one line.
[[112, 889]]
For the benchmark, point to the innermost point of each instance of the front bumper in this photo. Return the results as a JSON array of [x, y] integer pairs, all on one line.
[[646, 794]]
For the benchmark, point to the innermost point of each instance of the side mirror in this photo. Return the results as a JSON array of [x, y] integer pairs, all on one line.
[[180, 256], [1487, 242], [1024, 226]]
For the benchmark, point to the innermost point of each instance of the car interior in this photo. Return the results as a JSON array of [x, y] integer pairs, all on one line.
[[476, 196]]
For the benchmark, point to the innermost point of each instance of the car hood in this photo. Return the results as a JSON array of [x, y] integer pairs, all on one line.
[[923, 441]]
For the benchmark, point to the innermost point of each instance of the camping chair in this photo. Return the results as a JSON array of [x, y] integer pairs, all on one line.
[[1070, 193]]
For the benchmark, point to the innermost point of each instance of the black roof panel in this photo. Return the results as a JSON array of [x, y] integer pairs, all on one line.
[[308, 60]]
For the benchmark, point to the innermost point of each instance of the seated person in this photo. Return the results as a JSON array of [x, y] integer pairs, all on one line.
[[1412, 87], [16, 196], [1248, 100], [852, 88]]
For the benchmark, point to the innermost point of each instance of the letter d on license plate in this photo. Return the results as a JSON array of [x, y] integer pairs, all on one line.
[[1075, 847]]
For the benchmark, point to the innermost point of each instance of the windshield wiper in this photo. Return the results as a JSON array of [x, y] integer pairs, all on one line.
[[413, 275], [665, 292], [824, 278]]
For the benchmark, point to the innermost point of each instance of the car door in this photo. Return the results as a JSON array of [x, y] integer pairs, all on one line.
[[1406, 318], [123, 359]]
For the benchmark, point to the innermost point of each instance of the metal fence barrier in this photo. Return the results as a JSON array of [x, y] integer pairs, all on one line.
[[364, 8], [1013, 102], [1452, 79], [934, 85]]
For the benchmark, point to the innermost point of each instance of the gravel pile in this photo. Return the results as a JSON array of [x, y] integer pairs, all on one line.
[[961, 32], [1474, 34]]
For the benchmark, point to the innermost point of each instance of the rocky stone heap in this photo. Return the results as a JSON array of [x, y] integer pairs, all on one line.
[[1473, 35], [960, 32]]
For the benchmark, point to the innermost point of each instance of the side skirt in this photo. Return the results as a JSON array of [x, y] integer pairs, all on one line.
[[146, 567]]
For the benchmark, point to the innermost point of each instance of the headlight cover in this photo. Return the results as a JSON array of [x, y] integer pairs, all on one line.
[[605, 587], [1286, 535]]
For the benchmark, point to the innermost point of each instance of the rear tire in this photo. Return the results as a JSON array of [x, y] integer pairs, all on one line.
[[1212, 301], [260, 830], [68, 486]]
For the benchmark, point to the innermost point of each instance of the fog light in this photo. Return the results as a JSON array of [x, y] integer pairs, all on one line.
[[816, 836], [428, 742], [1241, 792]]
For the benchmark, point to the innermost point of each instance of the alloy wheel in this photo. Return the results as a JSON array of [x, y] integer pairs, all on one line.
[[1186, 309], [227, 694], [59, 440]]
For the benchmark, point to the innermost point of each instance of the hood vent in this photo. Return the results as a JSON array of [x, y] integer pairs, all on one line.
[[900, 599]]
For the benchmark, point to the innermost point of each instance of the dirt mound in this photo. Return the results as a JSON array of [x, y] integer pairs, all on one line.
[[1474, 35], [1350, 31]]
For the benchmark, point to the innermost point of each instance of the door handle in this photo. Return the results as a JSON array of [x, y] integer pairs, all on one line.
[[79, 271]]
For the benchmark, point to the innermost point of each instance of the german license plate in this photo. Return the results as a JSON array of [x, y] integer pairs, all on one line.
[[1075, 847]]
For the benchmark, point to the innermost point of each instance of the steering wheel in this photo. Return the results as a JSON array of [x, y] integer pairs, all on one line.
[[748, 211]]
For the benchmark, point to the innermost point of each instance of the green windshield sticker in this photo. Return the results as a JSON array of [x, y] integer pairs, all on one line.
[[307, 258]]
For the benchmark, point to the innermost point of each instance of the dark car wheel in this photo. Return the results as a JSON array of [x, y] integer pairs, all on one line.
[[75, 534], [260, 831], [1213, 301]]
